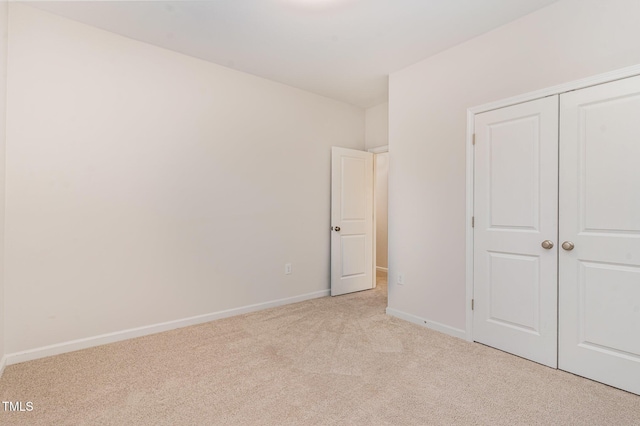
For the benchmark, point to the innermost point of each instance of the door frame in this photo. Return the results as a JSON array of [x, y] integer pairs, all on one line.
[[471, 113], [375, 151]]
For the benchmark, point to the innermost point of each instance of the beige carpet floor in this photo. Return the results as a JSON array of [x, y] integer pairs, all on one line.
[[329, 361]]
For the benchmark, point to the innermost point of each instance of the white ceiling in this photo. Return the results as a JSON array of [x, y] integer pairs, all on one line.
[[342, 49]]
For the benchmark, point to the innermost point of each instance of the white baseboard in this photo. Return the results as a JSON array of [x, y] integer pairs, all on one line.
[[451, 331], [89, 342], [3, 364], [382, 269]]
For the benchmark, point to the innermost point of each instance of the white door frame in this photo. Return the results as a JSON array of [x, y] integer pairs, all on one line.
[[379, 149], [471, 112], [376, 150]]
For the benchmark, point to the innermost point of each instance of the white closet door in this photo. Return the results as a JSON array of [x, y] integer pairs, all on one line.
[[600, 215], [516, 204]]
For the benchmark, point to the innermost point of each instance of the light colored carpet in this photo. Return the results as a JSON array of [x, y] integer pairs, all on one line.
[[330, 361]]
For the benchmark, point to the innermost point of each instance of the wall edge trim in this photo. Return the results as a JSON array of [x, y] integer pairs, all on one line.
[[103, 339], [3, 364], [433, 325]]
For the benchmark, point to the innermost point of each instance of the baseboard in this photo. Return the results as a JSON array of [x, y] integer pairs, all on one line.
[[381, 269], [3, 364], [89, 342], [451, 331]]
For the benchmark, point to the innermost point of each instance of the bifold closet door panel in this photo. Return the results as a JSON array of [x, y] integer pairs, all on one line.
[[599, 266], [515, 209]]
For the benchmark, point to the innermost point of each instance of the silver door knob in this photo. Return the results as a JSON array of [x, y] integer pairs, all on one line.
[[337, 228], [568, 245], [547, 244]]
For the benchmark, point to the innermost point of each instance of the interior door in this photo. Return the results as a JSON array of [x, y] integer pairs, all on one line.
[[515, 232], [351, 221], [599, 266]]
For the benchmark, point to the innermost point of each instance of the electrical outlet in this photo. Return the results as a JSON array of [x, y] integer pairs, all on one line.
[[287, 268], [400, 279]]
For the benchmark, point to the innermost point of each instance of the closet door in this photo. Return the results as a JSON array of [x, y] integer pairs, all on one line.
[[515, 234], [599, 262]]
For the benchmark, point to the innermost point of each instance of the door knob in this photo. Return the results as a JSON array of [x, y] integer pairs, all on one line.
[[568, 245], [547, 244], [337, 228]]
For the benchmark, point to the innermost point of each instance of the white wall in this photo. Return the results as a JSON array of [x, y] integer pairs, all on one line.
[[146, 186], [382, 190], [566, 41], [3, 104], [377, 125]]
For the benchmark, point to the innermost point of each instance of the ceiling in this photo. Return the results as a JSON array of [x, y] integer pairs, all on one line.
[[342, 49]]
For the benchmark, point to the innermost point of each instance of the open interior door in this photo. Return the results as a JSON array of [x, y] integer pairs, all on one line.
[[351, 221]]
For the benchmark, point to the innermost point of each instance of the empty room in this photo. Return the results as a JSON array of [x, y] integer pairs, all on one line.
[[320, 212]]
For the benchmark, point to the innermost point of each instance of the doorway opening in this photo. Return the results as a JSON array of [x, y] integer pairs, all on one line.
[[358, 231], [381, 197]]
